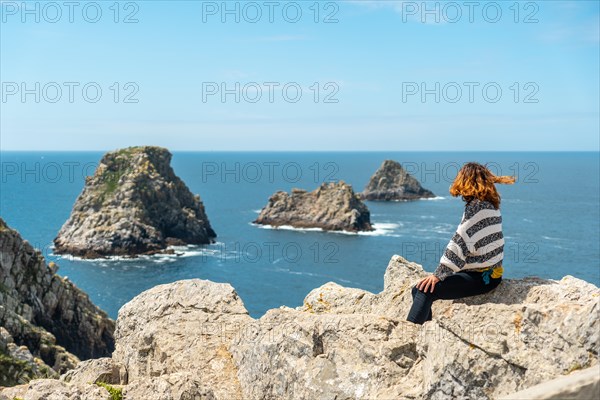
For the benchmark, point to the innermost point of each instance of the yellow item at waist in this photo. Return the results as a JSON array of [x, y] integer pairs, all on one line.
[[496, 271]]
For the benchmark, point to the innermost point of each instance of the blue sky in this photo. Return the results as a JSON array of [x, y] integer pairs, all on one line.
[[374, 58]]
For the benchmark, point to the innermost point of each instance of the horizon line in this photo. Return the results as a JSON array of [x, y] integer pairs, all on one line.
[[302, 151]]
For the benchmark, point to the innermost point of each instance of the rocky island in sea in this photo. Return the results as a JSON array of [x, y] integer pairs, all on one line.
[[47, 324], [133, 204], [332, 206], [391, 182], [194, 339]]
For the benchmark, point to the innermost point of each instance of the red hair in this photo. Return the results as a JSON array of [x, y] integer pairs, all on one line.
[[476, 181]]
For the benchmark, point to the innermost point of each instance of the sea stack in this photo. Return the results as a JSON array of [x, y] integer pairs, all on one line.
[[133, 204], [332, 206], [391, 182]]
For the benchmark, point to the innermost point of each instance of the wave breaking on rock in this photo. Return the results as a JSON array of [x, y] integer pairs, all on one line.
[[331, 207]]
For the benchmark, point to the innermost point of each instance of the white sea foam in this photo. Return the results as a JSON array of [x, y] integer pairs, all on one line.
[[381, 229], [516, 201], [552, 238], [189, 250], [443, 229], [287, 228], [305, 273], [422, 198]]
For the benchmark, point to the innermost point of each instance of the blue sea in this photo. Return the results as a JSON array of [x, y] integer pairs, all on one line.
[[550, 220]]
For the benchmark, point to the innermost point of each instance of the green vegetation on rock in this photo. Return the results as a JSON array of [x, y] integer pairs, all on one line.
[[128, 151], [112, 181], [121, 164], [14, 371], [115, 393]]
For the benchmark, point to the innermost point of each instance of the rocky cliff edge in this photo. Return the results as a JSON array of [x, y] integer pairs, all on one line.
[[195, 339]]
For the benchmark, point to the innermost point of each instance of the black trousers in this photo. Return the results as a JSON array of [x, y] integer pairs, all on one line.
[[456, 286]]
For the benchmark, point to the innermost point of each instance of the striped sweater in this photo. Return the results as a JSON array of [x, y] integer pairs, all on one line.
[[478, 242]]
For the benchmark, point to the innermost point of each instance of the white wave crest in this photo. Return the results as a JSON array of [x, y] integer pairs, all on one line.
[[434, 198], [190, 250], [381, 229]]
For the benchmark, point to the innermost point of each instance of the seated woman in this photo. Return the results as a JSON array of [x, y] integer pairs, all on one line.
[[472, 262]]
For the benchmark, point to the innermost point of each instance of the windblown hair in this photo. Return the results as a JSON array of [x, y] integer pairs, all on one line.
[[476, 181]]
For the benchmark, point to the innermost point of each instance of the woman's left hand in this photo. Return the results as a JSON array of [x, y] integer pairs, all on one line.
[[427, 283]]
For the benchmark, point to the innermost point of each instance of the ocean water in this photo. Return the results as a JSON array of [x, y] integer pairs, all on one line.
[[550, 220]]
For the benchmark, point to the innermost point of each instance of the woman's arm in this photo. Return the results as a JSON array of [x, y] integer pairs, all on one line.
[[442, 272], [478, 217], [455, 254]]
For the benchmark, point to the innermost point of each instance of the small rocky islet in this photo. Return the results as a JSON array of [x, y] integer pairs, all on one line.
[[391, 182], [333, 206], [134, 204]]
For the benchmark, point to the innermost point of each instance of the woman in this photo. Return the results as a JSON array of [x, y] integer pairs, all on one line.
[[472, 261]]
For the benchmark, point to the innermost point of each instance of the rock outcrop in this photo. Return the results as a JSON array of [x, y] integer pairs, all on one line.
[[332, 206], [17, 364], [46, 323], [391, 182], [195, 340], [183, 328], [579, 385], [134, 204]]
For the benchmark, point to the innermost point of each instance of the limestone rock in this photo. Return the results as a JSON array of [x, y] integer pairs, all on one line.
[[17, 364], [134, 204], [334, 298], [347, 343], [523, 333], [53, 389], [94, 371], [332, 206], [578, 385], [53, 319], [177, 386], [185, 326], [298, 355], [194, 339], [392, 182]]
